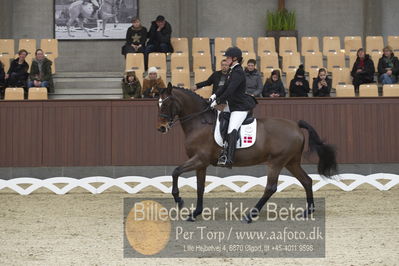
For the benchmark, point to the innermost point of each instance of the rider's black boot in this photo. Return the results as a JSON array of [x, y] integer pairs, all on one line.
[[227, 157], [231, 147]]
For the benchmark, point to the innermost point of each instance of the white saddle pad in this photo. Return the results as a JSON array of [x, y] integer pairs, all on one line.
[[247, 135]]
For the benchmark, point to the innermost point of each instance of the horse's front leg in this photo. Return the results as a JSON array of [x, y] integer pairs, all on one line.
[[105, 21], [201, 175], [69, 24], [191, 164], [83, 27]]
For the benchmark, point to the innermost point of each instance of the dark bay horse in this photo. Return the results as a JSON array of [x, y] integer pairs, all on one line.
[[279, 143]]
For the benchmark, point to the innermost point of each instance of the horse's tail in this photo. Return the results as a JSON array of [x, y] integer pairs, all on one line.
[[327, 165]]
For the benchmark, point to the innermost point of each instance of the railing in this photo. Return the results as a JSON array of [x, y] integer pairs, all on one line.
[[123, 132]]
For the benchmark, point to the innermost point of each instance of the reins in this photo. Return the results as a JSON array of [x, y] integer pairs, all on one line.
[[187, 117]]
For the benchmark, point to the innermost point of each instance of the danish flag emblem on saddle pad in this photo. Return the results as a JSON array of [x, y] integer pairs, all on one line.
[[247, 139], [247, 135]]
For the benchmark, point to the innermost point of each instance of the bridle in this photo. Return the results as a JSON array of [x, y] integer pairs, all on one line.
[[174, 120]]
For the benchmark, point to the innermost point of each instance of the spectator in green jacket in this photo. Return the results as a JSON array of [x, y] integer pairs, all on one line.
[[388, 67], [40, 72], [131, 85]]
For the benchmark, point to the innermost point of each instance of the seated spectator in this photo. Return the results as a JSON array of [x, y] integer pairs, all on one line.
[[299, 86], [152, 84], [40, 72], [388, 67], [274, 86], [2, 80], [363, 69], [17, 75], [159, 37], [322, 84], [136, 37], [217, 79], [253, 79], [2, 75], [131, 85]]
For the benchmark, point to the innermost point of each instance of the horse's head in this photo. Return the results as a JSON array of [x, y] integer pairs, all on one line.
[[169, 108]]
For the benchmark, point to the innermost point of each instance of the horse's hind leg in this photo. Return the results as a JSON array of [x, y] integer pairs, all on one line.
[[271, 188], [297, 171]]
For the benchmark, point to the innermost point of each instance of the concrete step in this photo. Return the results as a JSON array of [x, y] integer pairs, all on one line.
[[89, 83], [90, 91], [88, 75], [83, 96]]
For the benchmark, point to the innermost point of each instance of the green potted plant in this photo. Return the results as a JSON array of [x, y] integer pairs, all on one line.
[[281, 23]]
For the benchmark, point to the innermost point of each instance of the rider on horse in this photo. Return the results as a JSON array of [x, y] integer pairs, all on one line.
[[95, 4], [238, 103]]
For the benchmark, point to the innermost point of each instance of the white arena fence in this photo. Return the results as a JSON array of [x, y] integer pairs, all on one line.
[[66, 184]]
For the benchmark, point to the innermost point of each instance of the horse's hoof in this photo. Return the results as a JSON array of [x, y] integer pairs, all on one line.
[[246, 219], [307, 212], [180, 204], [190, 218]]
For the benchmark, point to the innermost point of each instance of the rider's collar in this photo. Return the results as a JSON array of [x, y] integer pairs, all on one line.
[[233, 66]]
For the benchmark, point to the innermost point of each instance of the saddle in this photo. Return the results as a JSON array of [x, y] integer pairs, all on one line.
[[246, 133]]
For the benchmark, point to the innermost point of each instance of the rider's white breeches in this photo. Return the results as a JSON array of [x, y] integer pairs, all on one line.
[[236, 118]]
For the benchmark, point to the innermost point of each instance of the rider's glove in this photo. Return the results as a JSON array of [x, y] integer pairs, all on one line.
[[212, 98]]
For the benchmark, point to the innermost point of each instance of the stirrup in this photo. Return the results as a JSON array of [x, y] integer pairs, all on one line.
[[222, 161]]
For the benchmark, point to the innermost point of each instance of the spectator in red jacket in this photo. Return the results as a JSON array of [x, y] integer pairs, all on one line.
[[362, 70]]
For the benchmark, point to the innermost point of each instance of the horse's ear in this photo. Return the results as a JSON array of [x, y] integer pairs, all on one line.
[[169, 89]]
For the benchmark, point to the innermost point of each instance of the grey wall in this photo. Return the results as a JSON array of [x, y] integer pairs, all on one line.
[[34, 19], [390, 17], [232, 18], [328, 18], [6, 7]]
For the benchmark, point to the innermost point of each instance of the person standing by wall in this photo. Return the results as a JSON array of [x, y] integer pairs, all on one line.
[[217, 79]]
